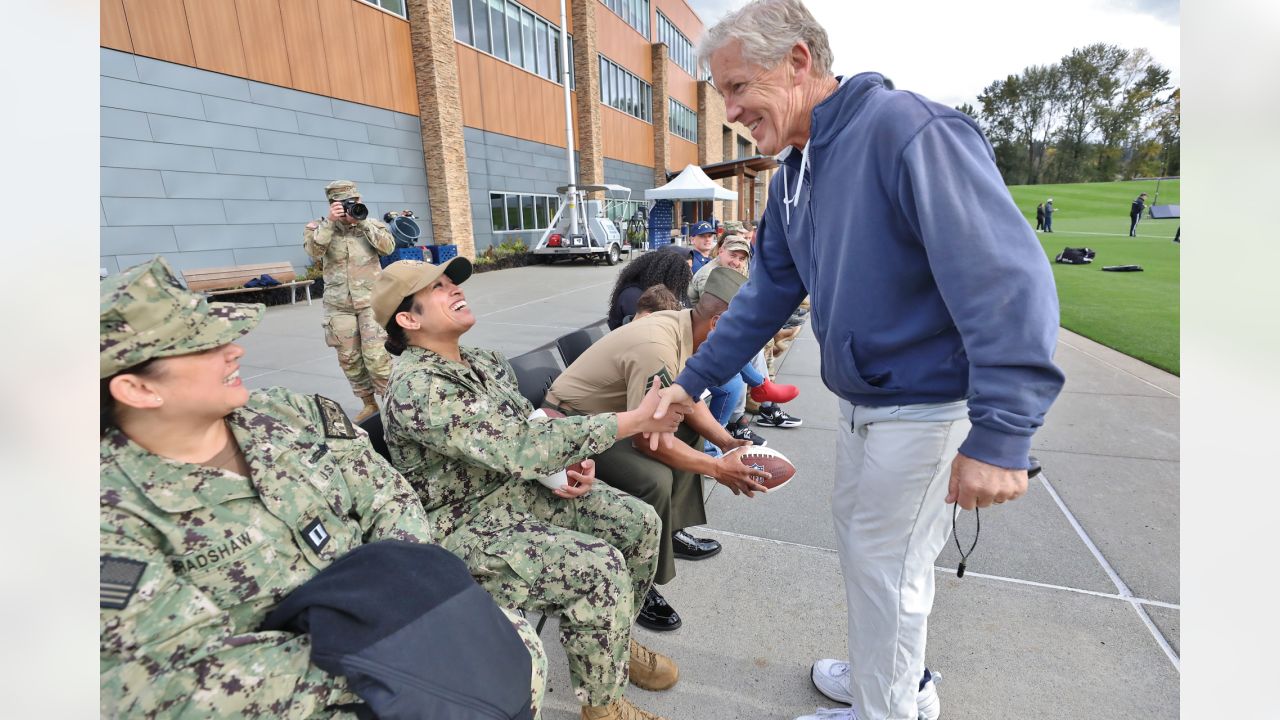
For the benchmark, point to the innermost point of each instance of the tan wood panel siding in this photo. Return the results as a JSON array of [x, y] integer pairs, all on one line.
[[158, 29], [215, 36], [113, 26], [340, 48], [266, 56], [469, 87], [681, 153], [626, 138], [346, 81], [304, 40], [502, 98], [622, 44], [404, 88], [371, 49], [550, 11]]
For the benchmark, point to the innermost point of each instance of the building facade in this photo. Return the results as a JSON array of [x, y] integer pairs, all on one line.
[[222, 120]]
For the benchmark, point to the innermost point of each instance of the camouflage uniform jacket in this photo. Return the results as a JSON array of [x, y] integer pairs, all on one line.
[[350, 257], [462, 438], [699, 281], [210, 553]]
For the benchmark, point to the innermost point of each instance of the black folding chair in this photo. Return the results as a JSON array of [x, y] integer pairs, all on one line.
[[373, 426], [535, 371]]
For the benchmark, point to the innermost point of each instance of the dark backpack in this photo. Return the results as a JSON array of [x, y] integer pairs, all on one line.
[[1075, 256]]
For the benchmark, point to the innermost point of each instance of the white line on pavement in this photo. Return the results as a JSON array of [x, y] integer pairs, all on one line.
[[1109, 596], [1116, 367], [1125, 593], [549, 297]]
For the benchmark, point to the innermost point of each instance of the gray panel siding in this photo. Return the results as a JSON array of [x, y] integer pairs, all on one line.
[[637, 177], [498, 163], [212, 170]]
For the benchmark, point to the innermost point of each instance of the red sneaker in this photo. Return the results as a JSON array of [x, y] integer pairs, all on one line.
[[769, 391]]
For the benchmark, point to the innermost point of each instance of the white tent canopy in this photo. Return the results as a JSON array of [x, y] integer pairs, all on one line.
[[691, 184]]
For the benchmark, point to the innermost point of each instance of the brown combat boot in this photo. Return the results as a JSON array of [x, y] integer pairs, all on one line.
[[620, 709], [370, 409], [650, 670]]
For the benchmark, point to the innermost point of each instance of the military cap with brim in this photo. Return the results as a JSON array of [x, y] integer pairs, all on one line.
[[401, 279], [723, 283], [735, 242], [146, 313], [734, 227], [341, 190]]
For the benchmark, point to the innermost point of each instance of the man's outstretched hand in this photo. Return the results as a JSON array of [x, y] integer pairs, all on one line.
[[666, 398], [977, 484]]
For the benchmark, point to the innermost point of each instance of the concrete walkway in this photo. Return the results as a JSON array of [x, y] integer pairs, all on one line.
[[1070, 605]]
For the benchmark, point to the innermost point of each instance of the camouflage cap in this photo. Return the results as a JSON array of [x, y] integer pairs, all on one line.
[[724, 283], [736, 242], [341, 190], [734, 227], [401, 279], [146, 313]]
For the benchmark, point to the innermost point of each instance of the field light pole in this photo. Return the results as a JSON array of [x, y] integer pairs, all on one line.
[[572, 196]]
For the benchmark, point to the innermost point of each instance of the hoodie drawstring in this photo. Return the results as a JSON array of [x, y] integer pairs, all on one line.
[[787, 198]]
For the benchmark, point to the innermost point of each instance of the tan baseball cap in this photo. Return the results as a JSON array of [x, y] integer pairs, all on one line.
[[401, 279], [736, 242], [146, 313]]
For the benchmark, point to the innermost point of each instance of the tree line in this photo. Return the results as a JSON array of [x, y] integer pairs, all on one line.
[[1101, 113]]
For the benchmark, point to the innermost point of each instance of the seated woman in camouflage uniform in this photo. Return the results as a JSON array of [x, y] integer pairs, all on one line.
[[460, 431], [209, 501]]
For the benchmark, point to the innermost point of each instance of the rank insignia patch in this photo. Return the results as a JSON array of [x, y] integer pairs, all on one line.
[[336, 423], [117, 581]]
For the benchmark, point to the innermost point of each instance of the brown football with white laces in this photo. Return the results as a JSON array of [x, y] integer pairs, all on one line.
[[780, 469]]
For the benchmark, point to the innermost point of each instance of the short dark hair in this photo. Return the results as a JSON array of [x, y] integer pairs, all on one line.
[[397, 342], [107, 403]]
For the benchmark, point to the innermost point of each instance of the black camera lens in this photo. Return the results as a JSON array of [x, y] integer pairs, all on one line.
[[355, 209]]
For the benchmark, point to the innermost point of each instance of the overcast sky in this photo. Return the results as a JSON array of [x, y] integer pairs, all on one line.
[[948, 50]]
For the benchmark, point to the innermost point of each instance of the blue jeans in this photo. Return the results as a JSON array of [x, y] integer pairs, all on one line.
[[725, 398]]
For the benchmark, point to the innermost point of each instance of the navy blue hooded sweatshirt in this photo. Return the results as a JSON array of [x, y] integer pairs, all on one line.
[[926, 283]]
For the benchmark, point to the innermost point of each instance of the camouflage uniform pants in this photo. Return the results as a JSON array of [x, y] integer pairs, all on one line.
[[538, 681], [361, 353], [589, 561]]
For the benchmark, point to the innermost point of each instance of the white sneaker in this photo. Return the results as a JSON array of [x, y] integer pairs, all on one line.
[[831, 677], [831, 714]]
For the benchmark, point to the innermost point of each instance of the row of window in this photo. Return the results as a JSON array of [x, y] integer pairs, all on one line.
[[622, 211], [635, 12], [623, 91], [522, 211], [683, 121], [510, 32], [679, 47]]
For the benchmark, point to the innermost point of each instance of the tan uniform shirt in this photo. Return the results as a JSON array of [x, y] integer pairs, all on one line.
[[613, 374]]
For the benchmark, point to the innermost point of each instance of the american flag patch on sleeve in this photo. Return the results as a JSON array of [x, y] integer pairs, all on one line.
[[117, 580]]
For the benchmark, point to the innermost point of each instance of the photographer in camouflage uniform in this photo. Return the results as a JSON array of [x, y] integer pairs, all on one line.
[[459, 429], [348, 250], [211, 502]]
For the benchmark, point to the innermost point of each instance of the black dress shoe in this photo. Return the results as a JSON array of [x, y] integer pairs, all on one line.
[[689, 547], [656, 614]]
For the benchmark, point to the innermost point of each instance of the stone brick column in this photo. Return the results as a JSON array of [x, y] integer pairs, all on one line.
[[661, 114], [435, 64], [586, 68], [711, 122]]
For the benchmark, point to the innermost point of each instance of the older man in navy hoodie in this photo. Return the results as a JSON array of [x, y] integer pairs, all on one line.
[[932, 302]]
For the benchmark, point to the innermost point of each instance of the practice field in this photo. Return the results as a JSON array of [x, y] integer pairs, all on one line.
[[1135, 313]]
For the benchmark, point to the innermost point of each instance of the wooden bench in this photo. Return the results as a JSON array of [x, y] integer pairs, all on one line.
[[230, 280]]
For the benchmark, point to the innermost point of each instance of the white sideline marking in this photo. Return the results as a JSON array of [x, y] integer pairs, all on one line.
[[549, 297], [968, 573], [1086, 353], [1125, 593]]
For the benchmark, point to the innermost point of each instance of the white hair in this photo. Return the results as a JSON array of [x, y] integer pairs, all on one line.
[[768, 29]]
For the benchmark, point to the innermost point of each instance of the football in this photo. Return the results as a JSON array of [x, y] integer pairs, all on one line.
[[770, 461]]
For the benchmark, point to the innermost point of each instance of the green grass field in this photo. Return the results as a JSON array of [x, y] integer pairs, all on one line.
[[1135, 313]]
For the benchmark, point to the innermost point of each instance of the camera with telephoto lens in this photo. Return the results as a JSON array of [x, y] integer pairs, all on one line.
[[355, 209]]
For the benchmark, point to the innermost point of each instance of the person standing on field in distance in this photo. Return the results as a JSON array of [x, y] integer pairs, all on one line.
[[1048, 215], [1039, 217], [349, 250], [1135, 213], [934, 308]]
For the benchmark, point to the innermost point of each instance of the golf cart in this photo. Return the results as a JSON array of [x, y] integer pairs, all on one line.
[[582, 228]]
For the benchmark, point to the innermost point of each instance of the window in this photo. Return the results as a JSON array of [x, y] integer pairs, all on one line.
[[621, 90], [683, 121], [521, 212], [508, 31], [679, 48], [395, 7], [635, 12]]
